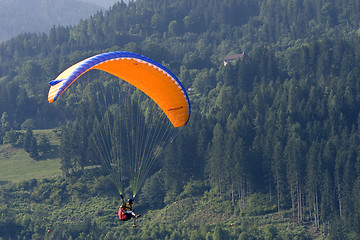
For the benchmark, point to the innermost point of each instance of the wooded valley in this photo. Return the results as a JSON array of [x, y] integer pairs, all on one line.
[[279, 128]]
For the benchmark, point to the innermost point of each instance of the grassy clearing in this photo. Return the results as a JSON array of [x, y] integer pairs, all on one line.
[[16, 164]]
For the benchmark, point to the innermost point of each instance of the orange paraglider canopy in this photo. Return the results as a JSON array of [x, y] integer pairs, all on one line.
[[150, 77]]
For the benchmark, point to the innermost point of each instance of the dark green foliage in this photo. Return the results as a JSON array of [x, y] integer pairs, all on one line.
[[10, 137], [82, 230], [283, 121], [153, 192], [30, 144], [44, 145], [4, 125], [9, 230]]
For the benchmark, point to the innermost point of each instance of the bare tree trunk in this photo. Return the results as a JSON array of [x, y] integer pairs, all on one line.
[[270, 190], [232, 194], [338, 186], [315, 216], [220, 190], [240, 205], [301, 205], [317, 211], [340, 207], [292, 200], [278, 194], [339, 199], [298, 195], [241, 195]]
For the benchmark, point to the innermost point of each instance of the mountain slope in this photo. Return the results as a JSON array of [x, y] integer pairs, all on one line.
[[103, 3], [85, 208], [17, 16], [283, 121]]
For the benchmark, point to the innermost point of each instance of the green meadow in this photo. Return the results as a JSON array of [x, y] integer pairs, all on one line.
[[16, 164]]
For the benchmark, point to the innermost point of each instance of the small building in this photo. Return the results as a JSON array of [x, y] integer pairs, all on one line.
[[233, 58]]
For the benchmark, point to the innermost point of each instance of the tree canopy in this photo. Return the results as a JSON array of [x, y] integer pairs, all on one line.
[[282, 121]]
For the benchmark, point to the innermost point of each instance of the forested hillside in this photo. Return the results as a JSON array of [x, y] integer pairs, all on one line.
[[105, 4], [282, 122], [38, 16]]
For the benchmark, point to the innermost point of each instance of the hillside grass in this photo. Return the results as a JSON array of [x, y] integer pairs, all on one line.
[[16, 165]]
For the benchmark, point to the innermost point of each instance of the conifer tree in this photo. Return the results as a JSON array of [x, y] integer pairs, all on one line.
[[215, 166]]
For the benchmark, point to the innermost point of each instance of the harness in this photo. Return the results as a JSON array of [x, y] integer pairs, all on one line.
[[123, 215]]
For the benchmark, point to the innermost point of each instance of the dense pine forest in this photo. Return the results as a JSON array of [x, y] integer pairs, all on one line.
[[281, 124]]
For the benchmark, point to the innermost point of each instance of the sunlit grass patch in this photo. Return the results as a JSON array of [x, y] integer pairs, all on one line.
[[16, 165]]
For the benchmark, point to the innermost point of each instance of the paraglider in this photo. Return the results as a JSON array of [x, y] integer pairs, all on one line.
[[126, 211], [132, 142]]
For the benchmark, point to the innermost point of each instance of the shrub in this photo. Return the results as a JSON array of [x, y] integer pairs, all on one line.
[[194, 188]]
